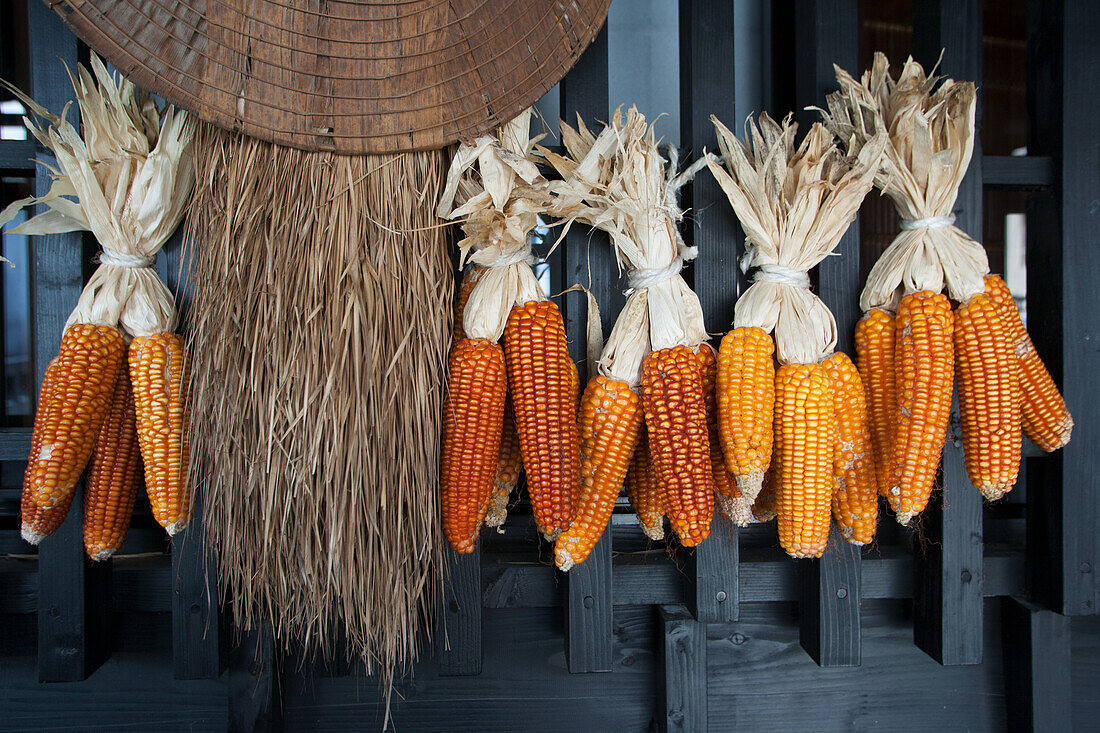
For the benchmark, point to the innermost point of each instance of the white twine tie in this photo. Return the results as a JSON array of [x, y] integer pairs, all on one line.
[[782, 275], [931, 222], [645, 277], [122, 259]]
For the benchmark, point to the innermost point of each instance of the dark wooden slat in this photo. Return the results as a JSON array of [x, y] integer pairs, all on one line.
[[826, 32], [588, 259], [253, 690], [15, 444], [73, 608], [1017, 171], [683, 652], [707, 87], [947, 622], [17, 154], [460, 637], [1036, 645]]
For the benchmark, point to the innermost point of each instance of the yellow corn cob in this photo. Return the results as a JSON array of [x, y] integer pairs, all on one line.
[[644, 490], [746, 397], [728, 496], [989, 397], [1046, 420], [805, 441], [472, 415], [509, 465], [112, 480], [675, 414], [875, 353], [924, 366], [470, 277], [611, 413], [855, 501], [38, 523], [543, 395], [87, 367], [766, 506], [160, 373]]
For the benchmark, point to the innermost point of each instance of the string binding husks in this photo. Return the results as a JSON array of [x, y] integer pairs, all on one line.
[[930, 222], [114, 258]]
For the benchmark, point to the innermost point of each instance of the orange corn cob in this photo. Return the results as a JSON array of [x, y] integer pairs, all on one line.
[[746, 397], [924, 364], [87, 367], [989, 397], [875, 353], [161, 376], [472, 415], [855, 501], [728, 496], [646, 494], [541, 382], [1046, 420], [509, 464], [675, 413], [112, 480], [38, 523], [766, 506], [470, 277], [805, 441], [611, 413]]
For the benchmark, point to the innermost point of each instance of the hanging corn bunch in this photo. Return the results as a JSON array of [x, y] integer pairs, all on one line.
[[130, 171], [807, 420], [651, 366], [1002, 383], [497, 192]]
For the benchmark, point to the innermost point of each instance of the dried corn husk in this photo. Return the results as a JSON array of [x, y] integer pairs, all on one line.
[[794, 204], [131, 173], [931, 139]]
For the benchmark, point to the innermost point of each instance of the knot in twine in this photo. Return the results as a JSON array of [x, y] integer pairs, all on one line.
[[930, 222], [647, 277], [774, 273], [520, 254], [115, 258]]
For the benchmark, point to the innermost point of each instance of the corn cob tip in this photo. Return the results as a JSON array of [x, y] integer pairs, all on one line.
[[750, 484], [552, 536], [993, 493], [102, 555], [1060, 436], [737, 508], [498, 511], [563, 559], [30, 534], [904, 518], [849, 534], [656, 532], [174, 528]]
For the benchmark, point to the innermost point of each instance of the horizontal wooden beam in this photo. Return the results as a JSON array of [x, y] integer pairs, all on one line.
[[17, 155], [15, 444], [1017, 171]]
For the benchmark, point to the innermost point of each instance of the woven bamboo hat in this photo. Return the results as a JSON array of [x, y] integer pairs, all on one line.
[[352, 76]]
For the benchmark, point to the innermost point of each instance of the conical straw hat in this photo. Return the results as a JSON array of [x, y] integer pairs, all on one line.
[[350, 76]]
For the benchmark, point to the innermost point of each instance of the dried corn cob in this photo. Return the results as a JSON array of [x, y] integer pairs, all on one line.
[[473, 413], [746, 397], [87, 367], [509, 465], [989, 397], [1046, 420], [924, 364], [539, 377], [611, 414], [160, 373], [646, 494], [675, 414], [112, 481], [855, 501], [766, 506], [805, 442], [875, 353], [38, 523], [728, 496]]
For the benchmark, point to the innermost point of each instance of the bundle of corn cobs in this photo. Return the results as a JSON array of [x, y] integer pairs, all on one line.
[[116, 396], [912, 343]]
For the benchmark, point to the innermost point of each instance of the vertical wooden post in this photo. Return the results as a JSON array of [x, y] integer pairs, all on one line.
[[460, 617], [947, 600], [827, 32], [588, 259], [1036, 646], [73, 596], [683, 661], [254, 695], [1063, 510], [707, 87]]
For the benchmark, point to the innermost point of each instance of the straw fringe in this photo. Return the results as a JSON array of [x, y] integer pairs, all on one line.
[[321, 294]]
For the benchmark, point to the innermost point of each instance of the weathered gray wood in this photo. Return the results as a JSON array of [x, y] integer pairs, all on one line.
[[947, 621], [254, 686], [1038, 687], [683, 660], [460, 618], [15, 444], [17, 154], [1012, 171]]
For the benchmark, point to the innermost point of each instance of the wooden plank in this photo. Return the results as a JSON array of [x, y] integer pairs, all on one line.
[[73, 607], [1036, 645], [1017, 171], [947, 622], [707, 86], [827, 32], [683, 649], [1063, 511], [18, 154], [588, 259], [15, 444], [254, 686], [460, 635]]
